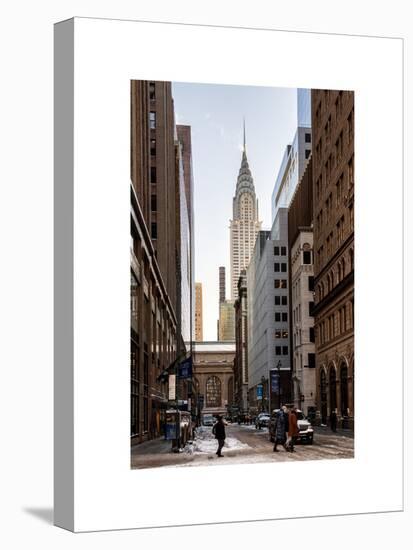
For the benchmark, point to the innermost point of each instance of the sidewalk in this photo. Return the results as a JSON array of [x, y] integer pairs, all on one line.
[[326, 430]]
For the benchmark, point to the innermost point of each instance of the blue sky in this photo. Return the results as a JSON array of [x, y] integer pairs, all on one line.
[[215, 114]]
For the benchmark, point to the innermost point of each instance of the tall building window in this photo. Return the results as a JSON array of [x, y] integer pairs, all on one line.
[[285, 350], [310, 308], [283, 251], [276, 250], [153, 203], [277, 267], [277, 317], [350, 171], [153, 174], [311, 283], [151, 90], [307, 153], [152, 120], [277, 350], [284, 317], [312, 339], [277, 300], [307, 138], [307, 256], [311, 360], [283, 267], [153, 147], [284, 300], [154, 230]]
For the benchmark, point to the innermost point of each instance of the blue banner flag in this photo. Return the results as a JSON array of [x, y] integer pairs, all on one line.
[[275, 381], [185, 368]]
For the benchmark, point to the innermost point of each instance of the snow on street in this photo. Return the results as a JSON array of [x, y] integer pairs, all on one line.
[[243, 445]]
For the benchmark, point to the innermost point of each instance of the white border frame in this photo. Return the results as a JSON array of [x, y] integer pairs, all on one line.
[[100, 490]]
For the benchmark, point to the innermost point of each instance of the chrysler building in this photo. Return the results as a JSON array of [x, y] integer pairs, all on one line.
[[244, 225]]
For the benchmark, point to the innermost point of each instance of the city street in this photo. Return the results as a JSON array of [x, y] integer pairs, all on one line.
[[244, 444]]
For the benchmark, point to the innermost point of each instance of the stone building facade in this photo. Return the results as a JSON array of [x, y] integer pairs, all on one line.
[[333, 204], [300, 243], [214, 375], [302, 302]]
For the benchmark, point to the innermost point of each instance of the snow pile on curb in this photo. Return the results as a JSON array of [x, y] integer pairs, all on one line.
[[205, 442]]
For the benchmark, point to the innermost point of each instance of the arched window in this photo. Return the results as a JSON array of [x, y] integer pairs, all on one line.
[[213, 392], [323, 397], [344, 389], [333, 393]]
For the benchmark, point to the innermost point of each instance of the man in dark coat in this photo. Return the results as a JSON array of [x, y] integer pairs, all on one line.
[[281, 429], [219, 431]]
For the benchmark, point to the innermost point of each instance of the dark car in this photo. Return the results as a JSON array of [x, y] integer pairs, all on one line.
[[306, 433]]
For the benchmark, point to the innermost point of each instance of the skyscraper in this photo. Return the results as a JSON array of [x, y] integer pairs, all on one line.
[[222, 284], [198, 312], [244, 225]]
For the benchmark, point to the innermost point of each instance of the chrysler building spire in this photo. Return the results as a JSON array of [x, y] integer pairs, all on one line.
[[244, 225]]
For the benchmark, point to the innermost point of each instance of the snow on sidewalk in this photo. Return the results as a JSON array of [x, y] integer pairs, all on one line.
[[205, 442]]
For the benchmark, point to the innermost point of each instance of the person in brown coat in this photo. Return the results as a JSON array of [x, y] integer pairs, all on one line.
[[293, 429]]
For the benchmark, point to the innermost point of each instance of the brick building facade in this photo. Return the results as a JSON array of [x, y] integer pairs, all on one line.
[[333, 216]]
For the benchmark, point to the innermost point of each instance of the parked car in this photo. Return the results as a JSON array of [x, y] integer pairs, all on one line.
[[208, 420], [306, 434], [262, 420]]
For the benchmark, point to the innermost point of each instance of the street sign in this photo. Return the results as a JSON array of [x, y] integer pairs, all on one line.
[[259, 391], [171, 387]]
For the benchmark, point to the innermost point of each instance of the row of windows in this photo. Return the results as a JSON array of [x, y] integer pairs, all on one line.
[[280, 300], [280, 267], [281, 350], [281, 317], [280, 251], [280, 333], [280, 283], [336, 324]]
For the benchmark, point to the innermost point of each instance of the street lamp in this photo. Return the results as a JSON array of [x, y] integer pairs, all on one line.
[[278, 367]]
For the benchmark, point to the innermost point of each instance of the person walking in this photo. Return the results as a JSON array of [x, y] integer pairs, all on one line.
[[333, 420], [293, 429], [219, 431], [281, 428]]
